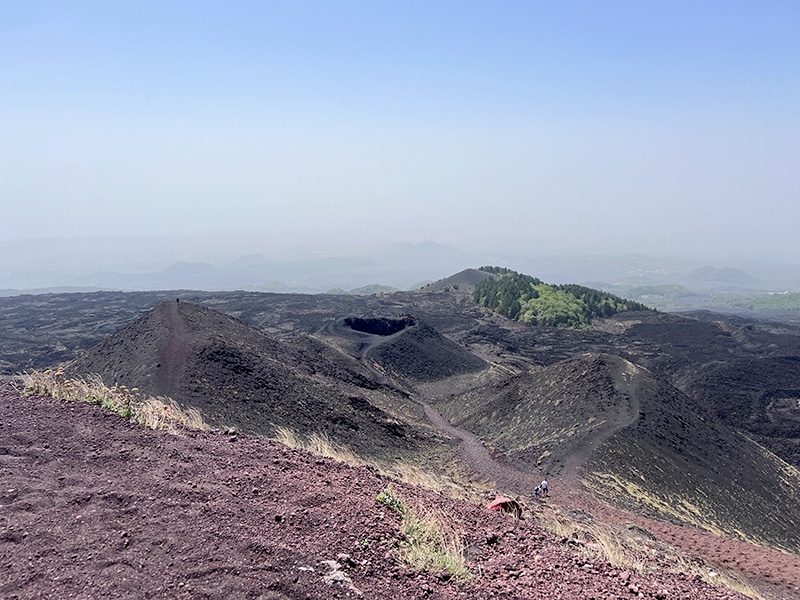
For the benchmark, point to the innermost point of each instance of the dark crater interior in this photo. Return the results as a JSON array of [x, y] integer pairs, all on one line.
[[380, 325]]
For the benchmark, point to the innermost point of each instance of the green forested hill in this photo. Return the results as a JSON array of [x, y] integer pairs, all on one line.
[[530, 300]]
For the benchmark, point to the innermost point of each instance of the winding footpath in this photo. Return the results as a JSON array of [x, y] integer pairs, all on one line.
[[777, 573], [507, 479]]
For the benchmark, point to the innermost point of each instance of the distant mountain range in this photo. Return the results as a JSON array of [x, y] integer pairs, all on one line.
[[218, 264]]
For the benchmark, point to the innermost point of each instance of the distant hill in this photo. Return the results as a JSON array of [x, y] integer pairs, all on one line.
[[237, 375], [421, 353], [679, 298], [464, 281], [530, 300], [720, 279], [366, 290], [403, 347], [662, 296], [209, 262]]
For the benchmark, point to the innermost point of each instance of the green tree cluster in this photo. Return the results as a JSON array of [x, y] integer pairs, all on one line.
[[528, 299]]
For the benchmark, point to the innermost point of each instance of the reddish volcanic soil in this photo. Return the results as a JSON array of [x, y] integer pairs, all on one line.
[[92, 506], [776, 574]]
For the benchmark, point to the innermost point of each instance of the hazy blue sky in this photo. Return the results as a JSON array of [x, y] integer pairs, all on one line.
[[661, 127]]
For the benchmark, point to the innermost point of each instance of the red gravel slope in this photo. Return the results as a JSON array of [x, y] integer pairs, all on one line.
[[92, 506]]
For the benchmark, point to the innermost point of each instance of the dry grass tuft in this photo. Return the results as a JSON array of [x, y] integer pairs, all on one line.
[[678, 507], [53, 383], [433, 544], [442, 484], [429, 540], [627, 546], [163, 413], [160, 413], [318, 444], [732, 580]]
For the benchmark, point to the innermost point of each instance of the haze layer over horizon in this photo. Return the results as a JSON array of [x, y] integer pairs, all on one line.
[[619, 127]]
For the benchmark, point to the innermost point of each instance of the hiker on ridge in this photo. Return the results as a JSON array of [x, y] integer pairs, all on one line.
[[545, 491]]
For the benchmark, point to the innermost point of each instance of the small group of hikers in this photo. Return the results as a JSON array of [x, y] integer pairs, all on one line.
[[507, 505], [541, 490]]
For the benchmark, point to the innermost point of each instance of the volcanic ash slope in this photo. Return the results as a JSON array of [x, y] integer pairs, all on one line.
[[640, 443], [238, 376]]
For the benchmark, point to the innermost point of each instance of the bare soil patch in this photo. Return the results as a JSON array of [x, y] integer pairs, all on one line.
[[93, 506]]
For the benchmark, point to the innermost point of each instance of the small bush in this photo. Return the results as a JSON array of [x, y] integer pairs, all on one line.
[[431, 543], [392, 500]]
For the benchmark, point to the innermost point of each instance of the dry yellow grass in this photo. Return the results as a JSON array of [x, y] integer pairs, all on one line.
[[91, 389], [677, 507], [629, 547], [318, 444], [160, 412], [430, 541], [440, 483]]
